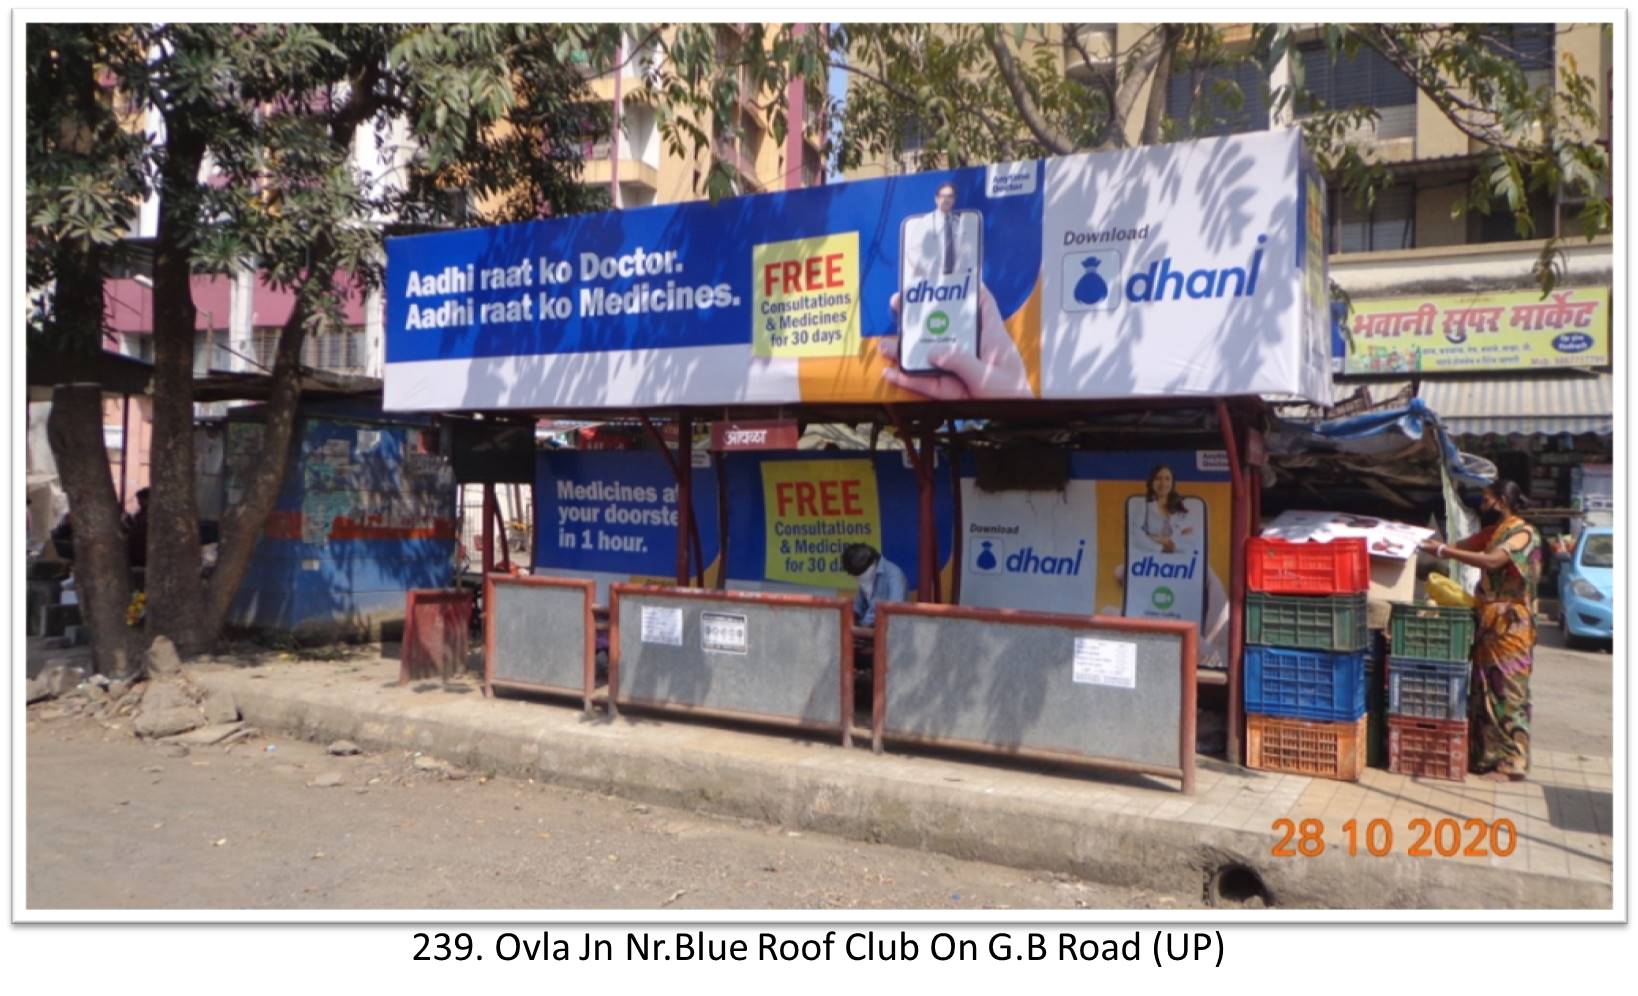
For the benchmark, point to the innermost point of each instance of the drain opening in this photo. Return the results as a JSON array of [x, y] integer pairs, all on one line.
[[1238, 885]]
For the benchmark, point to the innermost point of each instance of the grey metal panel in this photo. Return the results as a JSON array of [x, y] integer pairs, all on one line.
[[539, 635], [1012, 685], [792, 666]]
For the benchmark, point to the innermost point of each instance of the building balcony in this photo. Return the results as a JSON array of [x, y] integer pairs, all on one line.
[[633, 171], [603, 87]]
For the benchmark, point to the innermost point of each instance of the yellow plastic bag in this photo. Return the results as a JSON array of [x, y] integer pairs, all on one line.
[[1444, 591]]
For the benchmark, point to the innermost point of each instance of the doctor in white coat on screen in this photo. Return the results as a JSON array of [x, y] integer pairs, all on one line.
[[939, 242]]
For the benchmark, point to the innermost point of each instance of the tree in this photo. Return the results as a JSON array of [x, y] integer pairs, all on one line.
[[85, 177], [941, 96], [490, 112]]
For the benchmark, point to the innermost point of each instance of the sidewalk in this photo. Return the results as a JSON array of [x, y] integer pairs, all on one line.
[[1124, 830]]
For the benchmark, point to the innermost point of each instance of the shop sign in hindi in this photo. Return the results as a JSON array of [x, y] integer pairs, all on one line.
[[1458, 333]]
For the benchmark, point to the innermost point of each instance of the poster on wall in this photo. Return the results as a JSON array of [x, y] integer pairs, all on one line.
[[794, 514], [1181, 269], [1130, 534], [612, 516]]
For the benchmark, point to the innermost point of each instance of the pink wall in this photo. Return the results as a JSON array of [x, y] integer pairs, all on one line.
[[128, 304]]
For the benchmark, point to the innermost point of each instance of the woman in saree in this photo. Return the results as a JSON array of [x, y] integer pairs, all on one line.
[[1507, 553]]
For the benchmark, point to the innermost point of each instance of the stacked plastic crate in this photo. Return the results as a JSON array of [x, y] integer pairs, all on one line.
[[1305, 658], [1427, 690]]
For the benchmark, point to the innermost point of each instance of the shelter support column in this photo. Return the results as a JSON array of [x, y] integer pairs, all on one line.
[[927, 581], [488, 529], [684, 468], [1239, 532]]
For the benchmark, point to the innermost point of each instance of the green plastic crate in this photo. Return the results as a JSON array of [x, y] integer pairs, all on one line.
[[1307, 622], [1431, 632]]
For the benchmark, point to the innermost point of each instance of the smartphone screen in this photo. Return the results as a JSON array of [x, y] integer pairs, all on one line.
[[1165, 561], [940, 268]]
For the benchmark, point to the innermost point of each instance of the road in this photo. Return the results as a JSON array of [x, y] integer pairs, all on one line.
[[118, 824], [1570, 697]]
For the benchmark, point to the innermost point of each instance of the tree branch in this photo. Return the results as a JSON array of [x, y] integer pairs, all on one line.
[[1140, 64], [1013, 78]]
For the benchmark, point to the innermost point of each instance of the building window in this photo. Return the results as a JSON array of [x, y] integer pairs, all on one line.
[[1501, 226], [338, 351], [1389, 223], [138, 345], [1530, 45], [265, 347], [1208, 92], [1366, 80]]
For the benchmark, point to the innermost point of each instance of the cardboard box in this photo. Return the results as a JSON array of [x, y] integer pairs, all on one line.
[[1392, 580]]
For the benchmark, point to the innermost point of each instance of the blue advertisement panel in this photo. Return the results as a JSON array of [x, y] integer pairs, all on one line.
[[612, 515], [1167, 270], [615, 512], [794, 513]]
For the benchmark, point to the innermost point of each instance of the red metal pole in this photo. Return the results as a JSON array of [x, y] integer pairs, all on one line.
[[488, 531], [927, 583], [1240, 516], [722, 520], [505, 541], [685, 493], [956, 549]]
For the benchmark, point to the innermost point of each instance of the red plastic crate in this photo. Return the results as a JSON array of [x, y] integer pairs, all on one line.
[[1428, 748], [1277, 567], [1306, 747]]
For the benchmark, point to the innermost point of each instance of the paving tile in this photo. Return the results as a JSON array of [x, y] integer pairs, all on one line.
[[1549, 861], [1589, 869]]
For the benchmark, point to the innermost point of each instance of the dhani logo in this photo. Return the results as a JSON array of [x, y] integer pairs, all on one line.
[[926, 290], [1160, 281], [1027, 561], [1149, 567]]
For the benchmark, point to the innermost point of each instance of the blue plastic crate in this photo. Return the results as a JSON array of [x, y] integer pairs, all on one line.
[[1427, 689], [1305, 684]]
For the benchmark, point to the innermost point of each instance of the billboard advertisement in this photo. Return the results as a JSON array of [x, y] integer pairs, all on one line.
[[1168, 270], [612, 516], [1142, 534], [1462, 333]]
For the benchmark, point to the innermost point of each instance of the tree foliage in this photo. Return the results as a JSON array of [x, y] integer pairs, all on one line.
[[463, 115], [948, 95]]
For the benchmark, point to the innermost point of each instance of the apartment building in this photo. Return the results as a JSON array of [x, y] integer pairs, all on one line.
[[1445, 304]]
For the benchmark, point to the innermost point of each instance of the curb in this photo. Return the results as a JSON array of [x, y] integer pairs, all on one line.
[[903, 800]]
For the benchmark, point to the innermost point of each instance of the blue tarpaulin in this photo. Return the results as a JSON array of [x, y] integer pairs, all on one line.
[[1412, 431]]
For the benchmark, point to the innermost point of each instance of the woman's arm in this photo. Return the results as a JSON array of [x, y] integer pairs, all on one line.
[[1484, 560]]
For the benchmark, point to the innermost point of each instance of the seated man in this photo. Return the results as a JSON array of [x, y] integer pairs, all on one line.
[[880, 580]]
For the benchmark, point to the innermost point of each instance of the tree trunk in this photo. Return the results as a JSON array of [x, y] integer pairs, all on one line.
[[175, 591], [242, 523], [101, 569], [1155, 112]]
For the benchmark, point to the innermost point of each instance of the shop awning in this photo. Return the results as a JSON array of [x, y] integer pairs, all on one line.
[[1523, 404]]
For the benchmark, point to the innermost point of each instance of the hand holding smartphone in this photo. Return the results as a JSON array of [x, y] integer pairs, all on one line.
[[940, 276]]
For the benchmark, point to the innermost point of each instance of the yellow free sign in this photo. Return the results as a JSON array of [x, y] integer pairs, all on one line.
[[815, 509], [806, 297]]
